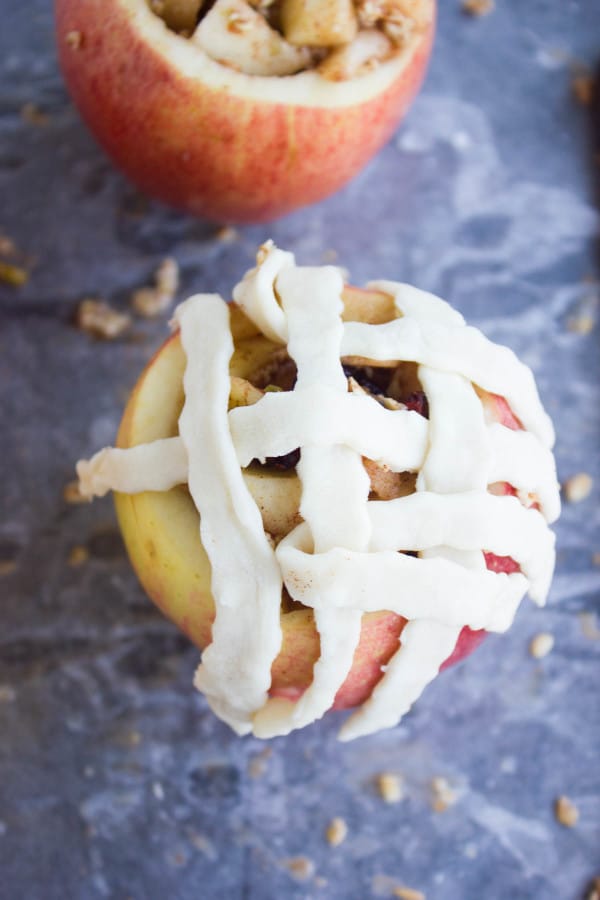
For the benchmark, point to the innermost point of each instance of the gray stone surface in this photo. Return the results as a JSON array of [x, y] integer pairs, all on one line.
[[115, 780]]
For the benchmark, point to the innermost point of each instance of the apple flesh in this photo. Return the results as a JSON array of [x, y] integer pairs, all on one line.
[[215, 141], [162, 535]]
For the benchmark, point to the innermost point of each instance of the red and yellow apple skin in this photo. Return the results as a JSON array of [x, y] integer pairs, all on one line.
[[215, 152], [162, 537]]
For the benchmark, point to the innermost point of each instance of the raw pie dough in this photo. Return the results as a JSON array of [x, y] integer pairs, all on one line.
[[343, 559]]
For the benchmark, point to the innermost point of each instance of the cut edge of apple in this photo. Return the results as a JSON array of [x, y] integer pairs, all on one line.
[[307, 88]]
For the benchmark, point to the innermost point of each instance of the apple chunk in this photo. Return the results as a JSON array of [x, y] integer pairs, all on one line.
[[236, 34], [318, 23]]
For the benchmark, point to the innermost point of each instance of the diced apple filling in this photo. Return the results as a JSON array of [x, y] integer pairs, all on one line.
[[342, 39]]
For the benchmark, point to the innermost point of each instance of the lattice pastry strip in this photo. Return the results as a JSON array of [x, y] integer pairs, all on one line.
[[344, 559]]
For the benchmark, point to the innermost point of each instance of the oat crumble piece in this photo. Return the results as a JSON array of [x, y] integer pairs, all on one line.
[[581, 324], [566, 812], [74, 39], [32, 114], [227, 234], [477, 7], [541, 645], [406, 893], [78, 555], [300, 867], [443, 795], [100, 320], [578, 487], [337, 832], [391, 787]]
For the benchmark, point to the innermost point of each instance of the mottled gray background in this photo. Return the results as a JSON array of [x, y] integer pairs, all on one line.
[[115, 780]]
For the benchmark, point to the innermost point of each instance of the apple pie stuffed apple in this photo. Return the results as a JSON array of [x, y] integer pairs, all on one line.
[[242, 110], [333, 491]]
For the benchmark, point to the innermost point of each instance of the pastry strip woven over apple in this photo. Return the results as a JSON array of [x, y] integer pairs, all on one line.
[[349, 554]]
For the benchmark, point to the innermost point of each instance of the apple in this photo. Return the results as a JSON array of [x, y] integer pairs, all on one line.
[[211, 139], [162, 535]]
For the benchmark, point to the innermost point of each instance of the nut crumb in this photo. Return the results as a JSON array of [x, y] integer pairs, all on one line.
[[15, 276], [566, 812], [150, 302], [7, 694], [391, 787], [78, 555], [337, 832], [300, 867], [33, 115], [100, 320], [583, 88], [443, 794], [477, 7], [7, 566], [406, 893], [227, 235], [74, 39], [541, 645], [578, 487], [72, 494]]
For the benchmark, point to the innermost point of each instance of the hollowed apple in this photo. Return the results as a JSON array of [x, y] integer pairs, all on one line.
[[237, 147], [162, 535]]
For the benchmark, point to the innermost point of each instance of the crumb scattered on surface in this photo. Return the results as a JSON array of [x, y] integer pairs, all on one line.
[[444, 795], [583, 88], [566, 812], [329, 256], [78, 555], [150, 302], [74, 39], [589, 626], [578, 487], [477, 7], [596, 559], [7, 694], [541, 645], [390, 786], [300, 867], [15, 276], [100, 320], [257, 765], [158, 790], [581, 324], [7, 566], [227, 235], [72, 494], [337, 832], [406, 893], [33, 115], [7, 246]]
